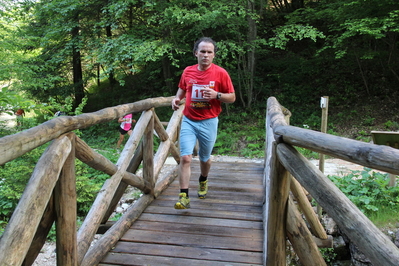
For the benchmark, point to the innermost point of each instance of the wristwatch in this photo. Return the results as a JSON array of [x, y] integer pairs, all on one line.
[[218, 95]]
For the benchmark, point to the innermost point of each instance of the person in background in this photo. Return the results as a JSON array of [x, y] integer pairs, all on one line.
[[59, 113], [125, 128], [20, 113], [205, 86]]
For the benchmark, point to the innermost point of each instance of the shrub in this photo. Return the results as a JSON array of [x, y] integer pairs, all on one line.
[[368, 190]]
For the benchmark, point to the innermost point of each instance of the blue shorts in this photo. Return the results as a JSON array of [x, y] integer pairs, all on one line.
[[205, 131]]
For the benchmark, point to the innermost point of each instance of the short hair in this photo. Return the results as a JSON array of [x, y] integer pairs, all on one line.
[[204, 39]]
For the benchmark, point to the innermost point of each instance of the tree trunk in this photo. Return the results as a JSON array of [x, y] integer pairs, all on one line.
[[251, 37], [111, 77], [167, 75], [77, 64]]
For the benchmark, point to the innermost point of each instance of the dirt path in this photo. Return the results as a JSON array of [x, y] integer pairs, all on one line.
[[338, 167], [9, 120]]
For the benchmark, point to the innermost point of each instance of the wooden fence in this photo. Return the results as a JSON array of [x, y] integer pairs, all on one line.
[[50, 195], [286, 169]]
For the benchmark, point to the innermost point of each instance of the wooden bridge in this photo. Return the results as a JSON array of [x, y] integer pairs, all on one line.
[[225, 228], [246, 220]]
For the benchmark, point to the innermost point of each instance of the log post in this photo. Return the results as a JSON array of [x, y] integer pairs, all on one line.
[[272, 114], [277, 214], [66, 210], [148, 153], [167, 145], [173, 129]]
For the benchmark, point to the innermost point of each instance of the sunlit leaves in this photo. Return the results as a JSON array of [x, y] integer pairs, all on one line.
[[294, 32]]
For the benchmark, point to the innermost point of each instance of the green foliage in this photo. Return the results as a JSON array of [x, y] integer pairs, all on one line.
[[391, 125], [15, 174], [242, 135], [3, 225], [88, 183], [368, 121], [294, 32], [14, 177], [328, 254], [66, 106], [368, 190], [11, 100]]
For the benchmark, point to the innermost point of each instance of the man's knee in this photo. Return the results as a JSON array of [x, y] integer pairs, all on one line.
[[185, 159]]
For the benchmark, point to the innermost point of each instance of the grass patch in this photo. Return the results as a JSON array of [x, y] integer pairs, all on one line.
[[385, 217]]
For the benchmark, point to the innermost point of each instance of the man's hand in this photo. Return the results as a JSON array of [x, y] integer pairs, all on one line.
[[209, 94], [175, 103]]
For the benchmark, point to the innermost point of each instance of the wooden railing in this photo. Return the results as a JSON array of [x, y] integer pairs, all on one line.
[[286, 168], [50, 195]]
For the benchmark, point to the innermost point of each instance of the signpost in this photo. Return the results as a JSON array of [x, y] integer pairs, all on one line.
[[324, 116]]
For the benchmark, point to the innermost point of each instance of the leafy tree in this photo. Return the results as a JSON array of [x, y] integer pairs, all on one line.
[[363, 33]]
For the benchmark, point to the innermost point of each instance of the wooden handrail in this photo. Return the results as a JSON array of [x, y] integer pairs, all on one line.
[[15, 145], [370, 155], [361, 231], [51, 189], [113, 234]]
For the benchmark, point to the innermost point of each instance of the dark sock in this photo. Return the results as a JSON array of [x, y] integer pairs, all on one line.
[[203, 178], [184, 190]]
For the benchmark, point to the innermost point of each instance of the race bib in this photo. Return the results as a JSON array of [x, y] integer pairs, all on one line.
[[197, 93]]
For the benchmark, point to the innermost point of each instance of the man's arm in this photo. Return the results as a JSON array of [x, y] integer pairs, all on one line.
[[227, 97], [224, 97]]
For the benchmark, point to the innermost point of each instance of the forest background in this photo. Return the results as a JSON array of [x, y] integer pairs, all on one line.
[[81, 56], [111, 52]]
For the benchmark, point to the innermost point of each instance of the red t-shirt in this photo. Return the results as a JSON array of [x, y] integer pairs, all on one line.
[[193, 80]]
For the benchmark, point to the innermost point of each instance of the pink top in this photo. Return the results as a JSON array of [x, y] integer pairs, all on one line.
[[127, 123]]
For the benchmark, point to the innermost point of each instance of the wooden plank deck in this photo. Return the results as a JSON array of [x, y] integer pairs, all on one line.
[[223, 229]]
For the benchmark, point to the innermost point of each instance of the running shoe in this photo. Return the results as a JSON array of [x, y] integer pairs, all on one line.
[[184, 202], [203, 189]]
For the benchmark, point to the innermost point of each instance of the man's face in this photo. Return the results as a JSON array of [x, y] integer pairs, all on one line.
[[205, 55]]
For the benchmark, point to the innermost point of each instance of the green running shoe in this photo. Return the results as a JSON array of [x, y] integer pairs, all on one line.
[[203, 189], [184, 202]]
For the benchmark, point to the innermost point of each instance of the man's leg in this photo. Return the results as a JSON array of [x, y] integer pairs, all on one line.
[[205, 167], [187, 142], [184, 182], [206, 139], [185, 171]]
